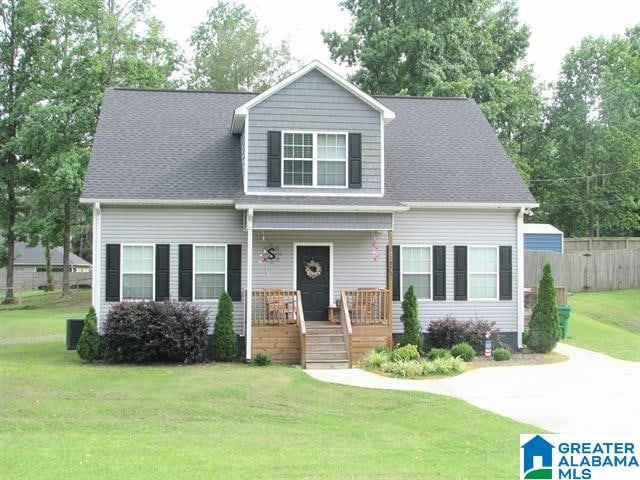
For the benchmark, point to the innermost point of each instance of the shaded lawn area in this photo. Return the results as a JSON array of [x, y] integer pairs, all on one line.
[[60, 418], [607, 322]]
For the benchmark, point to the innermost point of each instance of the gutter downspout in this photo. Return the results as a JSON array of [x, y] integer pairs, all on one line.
[[249, 291], [520, 267], [96, 254]]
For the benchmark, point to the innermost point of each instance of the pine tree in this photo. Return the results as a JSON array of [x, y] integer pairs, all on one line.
[[225, 343], [88, 347], [544, 328], [412, 329]]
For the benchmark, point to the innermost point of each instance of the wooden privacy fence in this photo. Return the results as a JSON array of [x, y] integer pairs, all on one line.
[[600, 243], [586, 270], [24, 281]]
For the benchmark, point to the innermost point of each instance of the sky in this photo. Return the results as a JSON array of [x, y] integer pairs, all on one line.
[[556, 25]]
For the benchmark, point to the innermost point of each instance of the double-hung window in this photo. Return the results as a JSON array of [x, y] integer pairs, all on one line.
[[209, 271], [416, 270], [314, 159], [483, 273], [137, 272]]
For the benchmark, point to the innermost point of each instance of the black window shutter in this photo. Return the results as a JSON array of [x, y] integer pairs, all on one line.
[[162, 272], [460, 273], [113, 273], [355, 160], [273, 159], [185, 273], [396, 271], [439, 272], [234, 272], [505, 273]]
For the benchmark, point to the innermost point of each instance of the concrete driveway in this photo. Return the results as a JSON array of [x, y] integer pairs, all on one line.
[[589, 393]]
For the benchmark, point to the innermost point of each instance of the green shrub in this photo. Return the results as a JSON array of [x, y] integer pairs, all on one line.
[[88, 347], [408, 352], [464, 351], [225, 342], [501, 354], [374, 360], [438, 353], [543, 332], [381, 349], [412, 329], [444, 366], [403, 368], [262, 359]]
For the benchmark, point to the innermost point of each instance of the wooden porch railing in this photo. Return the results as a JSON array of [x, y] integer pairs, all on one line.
[[368, 306], [303, 331], [345, 322], [275, 307]]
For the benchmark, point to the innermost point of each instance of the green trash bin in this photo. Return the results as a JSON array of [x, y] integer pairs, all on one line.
[[564, 312]]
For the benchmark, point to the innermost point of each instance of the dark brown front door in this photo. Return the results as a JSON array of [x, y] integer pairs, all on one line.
[[312, 279]]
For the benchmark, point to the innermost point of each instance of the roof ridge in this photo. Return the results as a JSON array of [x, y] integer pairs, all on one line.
[[180, 90], [418, 97]]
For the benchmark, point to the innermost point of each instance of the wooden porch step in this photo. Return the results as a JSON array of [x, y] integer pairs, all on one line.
[[326, 347], [327, 364], [326, 356], [325, 338]]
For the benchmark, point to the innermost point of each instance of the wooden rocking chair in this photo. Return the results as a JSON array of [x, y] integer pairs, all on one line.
[[277, 307], [364, 305]]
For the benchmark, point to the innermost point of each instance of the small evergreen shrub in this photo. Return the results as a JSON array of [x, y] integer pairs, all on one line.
[[543, 331], [143, 332], [381, 349], [412, 330], [448, 331], [225, 342], [262, 359], [88, 347], [408, 352], [438, 353], [501, 354], [464, 351]]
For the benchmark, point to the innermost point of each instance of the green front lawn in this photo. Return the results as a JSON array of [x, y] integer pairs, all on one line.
[[607, 322], [60, 418]]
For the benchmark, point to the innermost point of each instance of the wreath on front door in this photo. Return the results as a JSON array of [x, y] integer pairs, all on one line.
[[312, 269]]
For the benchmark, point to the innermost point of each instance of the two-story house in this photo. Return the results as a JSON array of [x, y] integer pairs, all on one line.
[[289, 200]]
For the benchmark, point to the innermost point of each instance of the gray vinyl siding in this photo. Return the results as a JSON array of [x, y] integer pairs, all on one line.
[[450, 228], [314, 102], [174, 226], [323, 220], [353, 264]]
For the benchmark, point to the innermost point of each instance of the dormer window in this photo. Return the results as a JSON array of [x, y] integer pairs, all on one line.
[[314, 159]]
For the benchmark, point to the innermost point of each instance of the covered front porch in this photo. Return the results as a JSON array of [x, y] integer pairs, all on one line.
[[318, 287]]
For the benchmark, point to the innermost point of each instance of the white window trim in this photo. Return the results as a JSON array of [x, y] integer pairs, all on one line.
[[314, 159], [430, 247], [193, 267], [153, 274], [496, 273]]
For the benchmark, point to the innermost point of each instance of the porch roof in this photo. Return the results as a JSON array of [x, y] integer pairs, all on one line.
[[322, 221], [319, 203]]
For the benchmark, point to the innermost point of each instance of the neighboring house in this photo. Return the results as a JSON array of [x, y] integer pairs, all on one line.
[[301, 189], [31, 267], [543, 237]]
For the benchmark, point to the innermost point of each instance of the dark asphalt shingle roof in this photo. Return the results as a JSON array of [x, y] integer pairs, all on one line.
[[26, 255], [177, 145]]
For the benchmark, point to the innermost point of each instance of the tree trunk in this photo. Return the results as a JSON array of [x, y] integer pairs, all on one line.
[[66, 289], [11, 234], [47, 256]]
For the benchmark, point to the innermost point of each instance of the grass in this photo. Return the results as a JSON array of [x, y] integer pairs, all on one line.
[[607, 322], [60, 418]]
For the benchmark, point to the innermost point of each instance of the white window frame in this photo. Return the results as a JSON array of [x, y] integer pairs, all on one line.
[[314, 159], [497, 273], [122, 274], [193, 267], [430, 273]]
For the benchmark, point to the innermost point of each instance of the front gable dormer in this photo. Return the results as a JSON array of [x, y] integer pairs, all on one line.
[[314, 133]]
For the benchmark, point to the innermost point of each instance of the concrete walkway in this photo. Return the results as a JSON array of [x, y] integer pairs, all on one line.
[[589, 393]]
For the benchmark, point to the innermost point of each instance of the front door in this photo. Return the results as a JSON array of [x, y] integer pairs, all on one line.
[[312, 279]]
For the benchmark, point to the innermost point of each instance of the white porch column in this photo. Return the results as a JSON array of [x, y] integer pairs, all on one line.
[[96, 253], [249, 290], [520, 276]]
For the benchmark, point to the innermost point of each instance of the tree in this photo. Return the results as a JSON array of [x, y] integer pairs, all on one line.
[[447, 47], [225, 342], [543, 331], [88, 347], [412, 330], [24, 29], [589, 181], [231, 53]]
